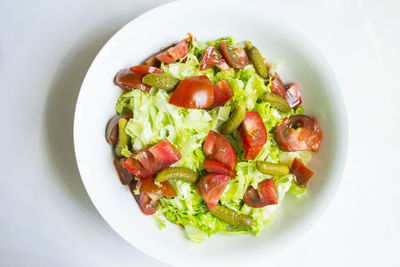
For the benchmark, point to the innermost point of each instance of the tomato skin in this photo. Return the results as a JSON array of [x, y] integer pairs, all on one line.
[[253, 134], [266, 194], [290, 92], [234, 56], [152, 61], [131, 78], [147, 185], [146, 204], [193, 92], [211, 187], [214, 166], [218, 148], [299, 132], [124, 175], [170, 55], [222, 93], [302, 173], [112, 128], [212, 57]]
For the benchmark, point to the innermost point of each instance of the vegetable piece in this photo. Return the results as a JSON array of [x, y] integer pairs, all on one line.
[[131, 78], [217, 147], [211, 187], [150, 161], [193, 92], [152, 61], [176, 52], [302, 173], [235, 57], [276, 101], [299, 132], [232, 217], [257, 60], [212, 57], [214, 166], [253, 134], [291, 92], [272, 168], [161, 80], [177, 173], [235, 119], [146, 204], [124, 175], [123, 138], [222, 93], [146, 184], [266, 194], [112, 128]]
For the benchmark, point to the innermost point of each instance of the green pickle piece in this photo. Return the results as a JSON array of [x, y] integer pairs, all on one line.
[[276, 101], [123, 138], [177, 173], [232, 217], [274, 169], [256, 58], [234, 120], [161, 80]]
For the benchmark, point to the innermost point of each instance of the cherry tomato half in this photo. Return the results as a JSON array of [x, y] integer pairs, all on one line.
[[146, 204], [193, 92], [222, 93], [211, 187], [176, 52], [235, 57], [253, 134], [212, 57], [214, 166], [266, 194], [217, 147], [302, 173], [131, 78], [290, 92]]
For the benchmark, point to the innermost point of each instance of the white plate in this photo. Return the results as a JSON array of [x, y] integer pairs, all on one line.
[[299, 61]]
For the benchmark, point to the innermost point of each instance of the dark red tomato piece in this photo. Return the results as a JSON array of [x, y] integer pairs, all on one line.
[[176, 52], [148, 162], [152, 61], [146, 184], [222, 93], [124, 175], [211, 187], [299, 132], [112, 128], [214, 166], [131, 78], [235, 57], [218, 148], [253, 134], [290, 92], [193, 92], [277, 86], [146, 204], [302, 173], [212, 57], [266, 194]]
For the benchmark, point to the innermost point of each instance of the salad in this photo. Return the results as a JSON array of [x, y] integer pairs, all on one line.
[[209, 136]]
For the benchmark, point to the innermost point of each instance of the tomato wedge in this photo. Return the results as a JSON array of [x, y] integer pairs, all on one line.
[[212, 57], [146, 184], [266, 194], [176, 52], [124, 175], [131, 78], [222, 93], [193, 92], [302, 173], [214, 166], [253, 134], [299, 132], [218, 148], [146, 204], [235, 57], [211, 187], [152, 61], [290, 92], [147, 162]]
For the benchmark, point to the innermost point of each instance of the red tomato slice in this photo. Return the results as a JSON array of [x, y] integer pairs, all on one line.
[[211, 187], [176, 52], [152, 61], [147, 185], [148, 162], [131, 78], [124, 175], [222, 93], [193, 92], [214, 166], [266, 194], [253, 134], [218, 148], [146, 204], [289, 92], [235, 57], [299, 132], [212, 57], [302, 173]]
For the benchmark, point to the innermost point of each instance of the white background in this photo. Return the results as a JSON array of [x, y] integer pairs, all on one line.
[[46, 48]]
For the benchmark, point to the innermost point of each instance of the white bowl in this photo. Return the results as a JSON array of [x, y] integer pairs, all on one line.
[[299, 61]]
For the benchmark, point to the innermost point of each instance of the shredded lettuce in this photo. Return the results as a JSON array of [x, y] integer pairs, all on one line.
[[154, 120]]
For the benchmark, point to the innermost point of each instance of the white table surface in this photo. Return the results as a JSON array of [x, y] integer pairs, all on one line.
[[46, 48]]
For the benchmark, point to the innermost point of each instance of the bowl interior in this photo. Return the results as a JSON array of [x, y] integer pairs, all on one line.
[[298, 61]]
